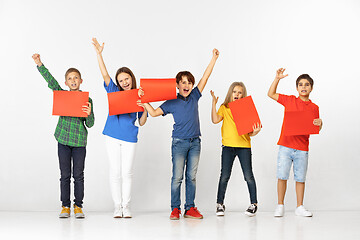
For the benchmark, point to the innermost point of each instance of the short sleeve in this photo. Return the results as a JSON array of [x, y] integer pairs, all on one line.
[[221, 111], [284, 99], [165, 107], [196, 93], [111, 87]]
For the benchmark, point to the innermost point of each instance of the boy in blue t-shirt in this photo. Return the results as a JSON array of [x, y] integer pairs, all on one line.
[[185, 149]]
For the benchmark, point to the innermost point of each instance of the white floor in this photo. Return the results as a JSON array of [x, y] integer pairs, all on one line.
[[156, 225]]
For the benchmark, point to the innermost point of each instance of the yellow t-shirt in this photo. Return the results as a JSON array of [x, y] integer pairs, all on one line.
[[230, 136]]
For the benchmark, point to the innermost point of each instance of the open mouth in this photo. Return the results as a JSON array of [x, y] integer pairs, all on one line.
[[236, 98], [303, 91], [126, 86], [186, 90]]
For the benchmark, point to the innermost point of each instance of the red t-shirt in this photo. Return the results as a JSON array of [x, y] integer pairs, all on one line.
[[292, 103]]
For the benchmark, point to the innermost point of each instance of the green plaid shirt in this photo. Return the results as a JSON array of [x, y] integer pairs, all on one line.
[[70, 131]]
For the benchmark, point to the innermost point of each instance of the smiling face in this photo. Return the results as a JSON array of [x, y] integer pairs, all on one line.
[[185, 86], [237, 93], [304, 88], [73, 81], [125, 81]]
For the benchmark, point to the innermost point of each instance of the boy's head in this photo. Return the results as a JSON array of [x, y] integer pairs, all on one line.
[[185, 82], [73, 79], [125, 79], [304, 85]]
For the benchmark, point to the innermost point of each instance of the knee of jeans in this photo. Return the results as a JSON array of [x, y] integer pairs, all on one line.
[[79, 176], [224, 178], [177, 178], [65, 176], [249, 178]]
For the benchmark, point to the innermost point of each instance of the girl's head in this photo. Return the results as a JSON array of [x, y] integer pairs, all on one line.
[[185, 82], [236, 91], [125, 79]]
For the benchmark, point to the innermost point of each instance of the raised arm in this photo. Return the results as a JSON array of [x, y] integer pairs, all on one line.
[[52, 83], [215, 118], [207, 73], [272, 90], [99, 48]]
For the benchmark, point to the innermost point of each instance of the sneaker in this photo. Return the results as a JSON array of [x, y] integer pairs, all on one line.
[[126, 212], [175, 214], [279, 211], [193, 213], [65, 212], [301, 211], [251, 211], [118, 213], [220, 209], [78, 212]]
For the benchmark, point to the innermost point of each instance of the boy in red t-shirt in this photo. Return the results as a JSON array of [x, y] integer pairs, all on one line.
[[294, 149]]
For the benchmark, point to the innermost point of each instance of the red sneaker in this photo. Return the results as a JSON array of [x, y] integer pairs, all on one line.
[[175, 214], [193, 213]]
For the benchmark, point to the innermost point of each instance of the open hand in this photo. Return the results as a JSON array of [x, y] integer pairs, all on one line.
[[280, 73], [256, 129], [215, 99], [98, 48]]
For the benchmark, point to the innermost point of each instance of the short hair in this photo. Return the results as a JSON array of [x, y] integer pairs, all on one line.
[[230, 91], [187, 74], [128, 71], [70, 70], [307, 77]]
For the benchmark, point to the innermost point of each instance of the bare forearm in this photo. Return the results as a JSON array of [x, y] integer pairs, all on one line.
[[215, 118], [143, 118], [103, 70], [207, 74], [272, 90], [152, 111]]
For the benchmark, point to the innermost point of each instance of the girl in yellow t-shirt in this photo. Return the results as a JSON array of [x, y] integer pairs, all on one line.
[[234, 145]]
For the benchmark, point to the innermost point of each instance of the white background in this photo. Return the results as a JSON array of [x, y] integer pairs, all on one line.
[[158, 39]]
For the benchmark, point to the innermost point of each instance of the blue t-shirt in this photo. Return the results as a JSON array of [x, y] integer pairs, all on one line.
[[185, 113], [121, 126]]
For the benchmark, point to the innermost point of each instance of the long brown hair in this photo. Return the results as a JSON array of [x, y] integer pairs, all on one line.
[[230, 91], [128, 71]]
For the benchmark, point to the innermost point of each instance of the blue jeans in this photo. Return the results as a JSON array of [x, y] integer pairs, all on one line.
[[287, 157], [185, 152], [77, 154], [227, 159]]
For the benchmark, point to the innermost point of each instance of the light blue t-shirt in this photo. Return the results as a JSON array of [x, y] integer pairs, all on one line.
[[185, 113], [121, 126]]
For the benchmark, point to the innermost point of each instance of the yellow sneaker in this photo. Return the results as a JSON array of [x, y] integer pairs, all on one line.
[[65, 212], [78, 212]]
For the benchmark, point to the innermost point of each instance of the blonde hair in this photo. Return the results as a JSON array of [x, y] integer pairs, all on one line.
[[230, 91]]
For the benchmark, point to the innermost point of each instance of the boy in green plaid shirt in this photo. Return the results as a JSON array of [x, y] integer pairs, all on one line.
[[71, 135]]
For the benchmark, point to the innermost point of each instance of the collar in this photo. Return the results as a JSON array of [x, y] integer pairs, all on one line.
[[179, 96], [304, 102]]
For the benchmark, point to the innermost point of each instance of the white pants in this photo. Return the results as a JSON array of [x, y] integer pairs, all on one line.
[[121, 155]]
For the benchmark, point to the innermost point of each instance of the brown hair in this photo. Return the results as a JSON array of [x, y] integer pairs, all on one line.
[[307, 77], [187, 74], [230, 91], [128, 71], [70, 70]]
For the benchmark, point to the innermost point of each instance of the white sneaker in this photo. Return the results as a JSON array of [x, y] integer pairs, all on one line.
[[301, 211], [279, 211], [126, 212], [118, 213]]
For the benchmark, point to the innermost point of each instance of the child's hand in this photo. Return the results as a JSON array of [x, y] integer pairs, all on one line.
[[280, 73], [215, 53], [87, 108], [97, 46], [215, 99], [37, 60], [140, 92], [317, 122], [256, 129], [139, 103]]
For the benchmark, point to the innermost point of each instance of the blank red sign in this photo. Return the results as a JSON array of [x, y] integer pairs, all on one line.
[[69, 103], [124, 102], [158, 89], [244, 114], [300, 123]]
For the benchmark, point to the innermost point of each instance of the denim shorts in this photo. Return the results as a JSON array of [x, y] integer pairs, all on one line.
[[286, 157]]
